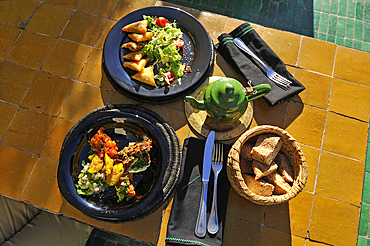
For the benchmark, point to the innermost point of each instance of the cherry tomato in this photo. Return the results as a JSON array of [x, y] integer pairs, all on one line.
[[161, 21], [178, 42], [169, 75]]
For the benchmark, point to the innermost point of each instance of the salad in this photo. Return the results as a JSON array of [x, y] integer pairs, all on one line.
[[164, 49], [106, 166]]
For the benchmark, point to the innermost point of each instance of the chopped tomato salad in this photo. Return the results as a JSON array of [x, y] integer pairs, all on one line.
[[102, 142]]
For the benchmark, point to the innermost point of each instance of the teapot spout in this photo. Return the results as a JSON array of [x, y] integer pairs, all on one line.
[[200, 105]]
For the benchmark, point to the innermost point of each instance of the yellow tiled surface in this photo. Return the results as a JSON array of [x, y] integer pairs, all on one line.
[[84, 28], [49, 19], [51, 75], [316, 55], [333, 221], [66, 59], [42, 187], [275, 39], [33, 46], [351, 65], [345, 136], [318, 88], [7, 41], [15, 81]]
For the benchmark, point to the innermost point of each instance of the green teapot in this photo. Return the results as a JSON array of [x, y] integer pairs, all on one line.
[[225, 100]]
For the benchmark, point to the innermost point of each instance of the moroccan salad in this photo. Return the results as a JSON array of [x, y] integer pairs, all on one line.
[[107, 166]]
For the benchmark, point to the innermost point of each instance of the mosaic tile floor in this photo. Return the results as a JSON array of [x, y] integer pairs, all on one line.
[[343, 22]]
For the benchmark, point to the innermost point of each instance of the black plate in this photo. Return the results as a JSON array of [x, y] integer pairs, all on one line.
[[123, 128], [200, 53]]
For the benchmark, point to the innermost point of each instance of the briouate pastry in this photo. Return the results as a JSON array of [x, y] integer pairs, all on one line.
[[134, 56], [146, 76], [136, 65], [133, 46], [136, 27], [139, 37]]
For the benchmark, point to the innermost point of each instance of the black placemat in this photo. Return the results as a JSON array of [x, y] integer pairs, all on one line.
[[181, 225], [253, 70]]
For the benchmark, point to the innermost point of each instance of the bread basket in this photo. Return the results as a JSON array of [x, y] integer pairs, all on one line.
[[294, 153]]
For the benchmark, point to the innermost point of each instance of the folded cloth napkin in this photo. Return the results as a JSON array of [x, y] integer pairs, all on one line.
[[252, 70], [184, 212]]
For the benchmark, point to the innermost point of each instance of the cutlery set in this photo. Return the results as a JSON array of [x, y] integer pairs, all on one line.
[[213, 157], [271, 74]]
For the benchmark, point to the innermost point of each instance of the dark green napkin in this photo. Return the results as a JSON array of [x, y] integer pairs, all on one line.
[[183, 217], [253, 70]]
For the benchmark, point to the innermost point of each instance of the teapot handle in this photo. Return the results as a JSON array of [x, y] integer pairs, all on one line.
[[258, 91]]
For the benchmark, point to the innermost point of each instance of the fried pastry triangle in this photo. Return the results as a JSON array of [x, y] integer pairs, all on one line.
[[136, 27], [146, 76], [138, 37], [134, 56], [136, 65], [133, 46]]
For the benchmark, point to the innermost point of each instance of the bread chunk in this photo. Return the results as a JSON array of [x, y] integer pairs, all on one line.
[[262, 170], [134, 56], [246, 150], [137, 27], [246, 166], [146, 76], [266, 148], [133, 46], [136, 65], [285, 169], [138, 37], [281, 187], [258, 187]]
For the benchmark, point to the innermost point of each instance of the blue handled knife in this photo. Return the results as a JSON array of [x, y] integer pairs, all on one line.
[[200, 227]]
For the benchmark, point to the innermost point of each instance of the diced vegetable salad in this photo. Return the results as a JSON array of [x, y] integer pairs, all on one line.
[[109, 167]]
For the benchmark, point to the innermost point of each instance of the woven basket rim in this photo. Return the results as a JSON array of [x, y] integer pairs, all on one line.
[[234, 172]]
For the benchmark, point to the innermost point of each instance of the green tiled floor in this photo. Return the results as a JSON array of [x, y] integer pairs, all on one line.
[[363, 231], [344, 22]]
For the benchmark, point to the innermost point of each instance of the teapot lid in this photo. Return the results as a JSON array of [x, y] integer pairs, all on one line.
[[227, 93]]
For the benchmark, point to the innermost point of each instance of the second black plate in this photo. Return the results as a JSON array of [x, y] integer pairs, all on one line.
[[123, 128]]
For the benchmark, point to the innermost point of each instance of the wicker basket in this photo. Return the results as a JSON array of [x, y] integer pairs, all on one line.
[[293, 151]]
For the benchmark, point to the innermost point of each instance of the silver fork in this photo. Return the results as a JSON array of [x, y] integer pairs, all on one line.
[[217, 160], [271, 74]]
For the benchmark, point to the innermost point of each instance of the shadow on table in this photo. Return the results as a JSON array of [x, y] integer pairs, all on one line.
[[253, 224]]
